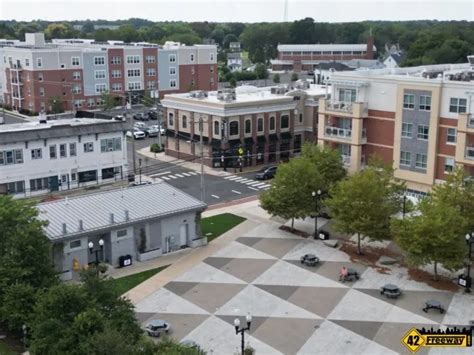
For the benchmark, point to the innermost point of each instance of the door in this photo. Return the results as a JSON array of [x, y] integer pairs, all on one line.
[[53, 183], [183, 235]]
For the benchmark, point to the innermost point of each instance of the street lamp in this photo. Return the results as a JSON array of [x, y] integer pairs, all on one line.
[[404, 205], [140, 169], [91, 249], [238, 330], [469, 241], [316, 195]]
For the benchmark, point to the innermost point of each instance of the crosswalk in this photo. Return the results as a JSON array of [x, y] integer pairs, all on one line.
[[252, 184], [168, 175]]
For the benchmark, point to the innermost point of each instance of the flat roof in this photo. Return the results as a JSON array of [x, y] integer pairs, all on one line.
[[71, 122], [94, 210], [322, 47]]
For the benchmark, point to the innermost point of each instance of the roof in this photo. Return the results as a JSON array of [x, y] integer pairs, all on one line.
[[234, 55], [95, 210], [396, 57], [321, 47]]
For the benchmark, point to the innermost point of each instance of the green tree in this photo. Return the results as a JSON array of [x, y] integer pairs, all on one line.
[[59, 30], [434, 236], [229, 38], [56, 104], [276, 78], [109, 100], [218, 35], [233, 82], [364, 203], [261, 71], [294, 76]]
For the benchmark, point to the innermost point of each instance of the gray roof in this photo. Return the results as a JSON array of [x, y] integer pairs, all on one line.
[[322, 47], [142, 203]]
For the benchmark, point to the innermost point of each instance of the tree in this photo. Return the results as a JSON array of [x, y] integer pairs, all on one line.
[[294, 76], [109, 100], [435, 236], [261, 71], [276, 78], [218, 35], [56, 104], [59, 30], [229, 38], [364, 203], [233, 82]]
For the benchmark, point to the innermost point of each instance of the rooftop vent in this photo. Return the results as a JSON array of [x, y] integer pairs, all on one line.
[[81, 225], [112, 218], [280, 90], [302, 84], [64, 228], [198, 94], [127, 215], [226, 95]]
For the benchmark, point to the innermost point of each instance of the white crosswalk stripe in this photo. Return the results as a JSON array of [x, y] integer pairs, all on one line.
[[259, 184], [172, 176], [185, 174], [165, 177], [240, 180], [193, 173], [264, 186], [179, 175], [235, 178], [230, 177]]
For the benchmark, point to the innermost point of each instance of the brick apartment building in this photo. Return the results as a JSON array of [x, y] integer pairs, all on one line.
[[419, 119], [269, 124], [304, 57], [78, 71]]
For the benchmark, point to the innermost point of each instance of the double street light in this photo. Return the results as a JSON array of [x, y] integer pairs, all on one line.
[[316, 195], [469, 241], [92, 251], [242, 330]]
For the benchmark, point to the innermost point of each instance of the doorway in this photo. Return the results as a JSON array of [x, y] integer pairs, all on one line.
[[183, 235]]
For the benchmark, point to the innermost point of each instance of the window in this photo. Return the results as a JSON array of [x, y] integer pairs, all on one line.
[[407, 130], [405, 158], [39, 62], [117, 87], [133, 59], [75, 244], [234, 128], [211, 68], [116, 74], [62, 151], [99, 102], [134, 85], [76, 89], [184, 121], [409, 101], [116, 60], [172, 58], [347, 95], [448, 165], [73, 176], [300, 119], [151, 85], [75, 61], [27, 62], [425, 103], [99, 88], [90, 102], [76, 75], [39, 184], [41, 89], [72, 149], [285, 121], [99, 60], [172, 71], [121, 233], [216, 128], [170, 119], [192, 71], [451, 136], [423, 132], [248, 126], [52, 152], [86, 176], [191, 57], [457, 105], [172, 83], [8, 157], [131, 73], [211, 57], [88, 147], [260, 124], [16, 187], [421, 161], [272, 123], [151, 72], [110, 144], [36, 153], [150, 59]]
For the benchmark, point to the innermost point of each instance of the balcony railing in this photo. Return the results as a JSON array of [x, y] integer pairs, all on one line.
[[470, 153], [342, 133], [340, 106], [470, 121]]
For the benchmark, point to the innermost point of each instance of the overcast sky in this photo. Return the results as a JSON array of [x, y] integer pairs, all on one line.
[[238, 10]]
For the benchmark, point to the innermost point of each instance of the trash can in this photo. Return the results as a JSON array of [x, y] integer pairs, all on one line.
[[125, 260], [323, 235], [464, 281]]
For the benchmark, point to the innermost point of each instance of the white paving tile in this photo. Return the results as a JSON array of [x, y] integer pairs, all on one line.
[[203, 272], [399, 315], [317, 248], [460, 310], [269, 231], [165, 301], [283, 273], [333, 339], [239, 250], [216, 336], [260, 303]]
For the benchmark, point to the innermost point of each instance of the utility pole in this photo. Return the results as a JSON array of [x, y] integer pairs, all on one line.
[[133, 135], [201, 126], [140, 169]]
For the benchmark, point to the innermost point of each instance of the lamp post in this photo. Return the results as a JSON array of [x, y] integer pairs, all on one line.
[[242, 330], [316, 195], [140, 170], [24, 331], [469, 241], [404, 205], [91, 249]]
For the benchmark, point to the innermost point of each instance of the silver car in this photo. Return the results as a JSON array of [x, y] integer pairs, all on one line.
[[155, 327]]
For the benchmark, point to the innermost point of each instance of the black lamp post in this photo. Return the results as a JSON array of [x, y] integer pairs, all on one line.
[[316, 195], [140, 169], [404, 205], [242, 330], [91, 249], [469, 241]]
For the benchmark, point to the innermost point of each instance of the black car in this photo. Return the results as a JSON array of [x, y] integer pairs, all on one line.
[[140, 117], [152, 115], [309, 260], [266, 173]]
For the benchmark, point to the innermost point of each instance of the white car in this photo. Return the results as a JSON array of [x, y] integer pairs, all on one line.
[[158, 128], [136, 133], [139, 125], [118, 118]]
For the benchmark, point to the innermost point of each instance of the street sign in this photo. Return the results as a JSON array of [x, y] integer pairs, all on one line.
[[241, 151], [413, 340]]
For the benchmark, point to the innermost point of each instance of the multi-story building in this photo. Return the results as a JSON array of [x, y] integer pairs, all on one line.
[[77, 72], [298, 57], [419, 119], [36, 158], [259, 126]]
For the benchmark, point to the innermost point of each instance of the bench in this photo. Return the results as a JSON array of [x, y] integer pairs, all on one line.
[[433, 304]]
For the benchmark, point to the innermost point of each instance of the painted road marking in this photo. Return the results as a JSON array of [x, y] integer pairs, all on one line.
[[259, 184], [172, 176], [185, 174], [231, 177], [215, 196], [237, 192], [264, 186], [253, 188], [193, 173], [235, 178], [165, 177], [163, 173], [250, 182], [179, 175], [239, 179]]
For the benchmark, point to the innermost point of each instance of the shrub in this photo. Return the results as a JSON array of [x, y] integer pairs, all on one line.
[[294, 77], [155, 148]]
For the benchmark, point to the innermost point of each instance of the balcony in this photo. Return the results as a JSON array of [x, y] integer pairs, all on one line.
[[339, 106], [470, 153], [343, 133], [351, 109]]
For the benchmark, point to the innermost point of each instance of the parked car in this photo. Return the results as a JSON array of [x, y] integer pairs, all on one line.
[[136, 133], [152, 131], [266, 173], [152, 115], [309, 260], [118, 118], [140, 117], [139, 125], [160, 129], [155, 327]]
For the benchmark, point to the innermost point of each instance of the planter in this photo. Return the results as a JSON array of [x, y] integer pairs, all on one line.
[[198, 242], [150, 255]]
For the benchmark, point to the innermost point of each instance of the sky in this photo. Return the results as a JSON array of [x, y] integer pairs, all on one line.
[[238, 10]]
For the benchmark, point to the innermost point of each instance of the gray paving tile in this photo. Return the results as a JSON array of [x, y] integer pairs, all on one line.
[[181, 324], [391, 334], [318, 300], [217, 262], [283, 292], [366, 329], [331, 270], [247, 269], [276, 247], [143, 316], [179, 287], [211, 296], [249, 241], [256, 321]]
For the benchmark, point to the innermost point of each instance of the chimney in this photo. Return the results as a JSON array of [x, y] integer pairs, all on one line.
[[127, 216], [64, 228], [370, 47], [81, 225], [112, 218]]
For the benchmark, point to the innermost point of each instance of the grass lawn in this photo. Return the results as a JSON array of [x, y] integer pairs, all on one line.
[[126, 283], [219, 224], [5, 350]]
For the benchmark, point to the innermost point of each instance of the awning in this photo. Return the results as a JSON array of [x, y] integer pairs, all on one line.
[[273, 137], [184, 135], [170, 133], [285, 135], [261, 139], [248, 141], [197, 138]]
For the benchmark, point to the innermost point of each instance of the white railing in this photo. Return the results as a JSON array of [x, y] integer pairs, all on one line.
[[338, 132], [470, 153], [341, 106]]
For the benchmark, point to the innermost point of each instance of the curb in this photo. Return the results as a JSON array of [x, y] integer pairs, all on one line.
[[232, 203]]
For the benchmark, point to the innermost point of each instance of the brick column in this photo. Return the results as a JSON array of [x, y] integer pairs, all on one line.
[[278, 129]]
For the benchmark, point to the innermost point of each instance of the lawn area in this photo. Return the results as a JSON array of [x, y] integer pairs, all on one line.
[[5, 350], [219, 224], [126, 283]]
